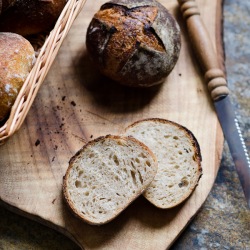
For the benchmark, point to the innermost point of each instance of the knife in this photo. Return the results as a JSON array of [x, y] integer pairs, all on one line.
[[219, 92]]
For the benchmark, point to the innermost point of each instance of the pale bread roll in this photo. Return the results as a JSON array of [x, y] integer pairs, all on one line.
[[17, 58]]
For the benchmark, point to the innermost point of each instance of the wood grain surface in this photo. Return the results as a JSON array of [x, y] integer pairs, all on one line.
[[76, 104]]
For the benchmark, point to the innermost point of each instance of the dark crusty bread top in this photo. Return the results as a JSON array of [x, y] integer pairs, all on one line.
[[179, 160], [5, 4], [27, 17], [106, 175], [136, 43]]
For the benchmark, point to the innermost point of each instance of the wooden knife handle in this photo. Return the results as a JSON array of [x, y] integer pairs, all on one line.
[[205, 52]]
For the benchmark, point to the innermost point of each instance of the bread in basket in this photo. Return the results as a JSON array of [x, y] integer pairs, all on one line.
[[45, 57]]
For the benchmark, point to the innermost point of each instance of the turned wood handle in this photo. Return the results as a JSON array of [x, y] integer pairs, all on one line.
[[214, 76]]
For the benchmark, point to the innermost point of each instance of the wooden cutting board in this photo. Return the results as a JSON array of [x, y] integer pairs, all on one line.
[[76, 104]]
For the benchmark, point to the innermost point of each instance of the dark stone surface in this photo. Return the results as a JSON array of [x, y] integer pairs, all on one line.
[[224, 220]]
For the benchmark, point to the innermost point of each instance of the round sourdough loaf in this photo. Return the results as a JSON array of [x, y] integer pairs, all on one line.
[[27, 17], [135, 43], [17, 58]]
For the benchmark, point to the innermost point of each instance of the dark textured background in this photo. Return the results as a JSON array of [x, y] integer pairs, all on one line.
[[224, 220]]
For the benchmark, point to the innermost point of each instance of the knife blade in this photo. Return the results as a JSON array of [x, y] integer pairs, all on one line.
[[219, 92], [237, 147]]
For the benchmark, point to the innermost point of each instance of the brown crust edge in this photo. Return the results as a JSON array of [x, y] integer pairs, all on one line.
[[197, 151], [66, 197]]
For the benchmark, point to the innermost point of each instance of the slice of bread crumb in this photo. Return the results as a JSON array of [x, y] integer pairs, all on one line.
[[179, 160], [106, 175]]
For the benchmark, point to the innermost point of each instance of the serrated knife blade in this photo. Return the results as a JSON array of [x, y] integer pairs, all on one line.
[[234, 138], [219, 92]]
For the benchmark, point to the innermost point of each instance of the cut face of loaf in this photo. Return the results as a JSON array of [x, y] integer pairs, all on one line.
[[106, 175], [179, 160]]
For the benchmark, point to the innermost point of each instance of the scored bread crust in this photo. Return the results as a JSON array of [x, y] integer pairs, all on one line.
[[136, 43], [170, 186], [94, 184]]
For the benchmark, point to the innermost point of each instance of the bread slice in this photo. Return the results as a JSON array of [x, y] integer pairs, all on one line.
[[106, 175], [179, 160]]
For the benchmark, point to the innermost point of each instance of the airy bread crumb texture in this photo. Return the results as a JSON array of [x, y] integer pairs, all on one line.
[[106, 175], [179, 160]]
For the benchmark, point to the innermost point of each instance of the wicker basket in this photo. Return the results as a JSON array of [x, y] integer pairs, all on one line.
[[45, 58]]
